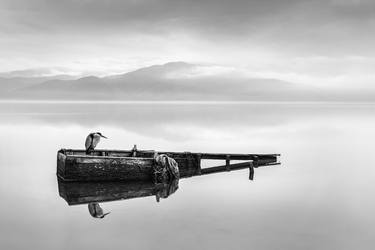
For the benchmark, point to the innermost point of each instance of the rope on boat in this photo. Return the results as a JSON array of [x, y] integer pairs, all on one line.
[[165, 169]]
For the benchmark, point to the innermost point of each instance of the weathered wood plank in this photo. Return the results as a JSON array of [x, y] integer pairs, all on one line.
[[101, 169]]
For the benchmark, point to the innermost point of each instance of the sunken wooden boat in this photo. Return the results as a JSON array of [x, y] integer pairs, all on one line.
[[137, 165]]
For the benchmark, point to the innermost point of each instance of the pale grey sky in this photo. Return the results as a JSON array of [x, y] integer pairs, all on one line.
[[317, 42]]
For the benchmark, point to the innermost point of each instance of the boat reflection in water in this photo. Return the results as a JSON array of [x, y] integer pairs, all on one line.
[[92, 193]]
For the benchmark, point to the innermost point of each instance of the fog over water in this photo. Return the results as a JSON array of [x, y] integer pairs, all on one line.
[[320, 197]]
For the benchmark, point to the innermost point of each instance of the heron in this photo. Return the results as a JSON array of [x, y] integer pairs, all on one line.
[[92, 140]]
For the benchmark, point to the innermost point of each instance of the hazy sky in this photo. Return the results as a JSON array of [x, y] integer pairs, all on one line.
[[319, 42]]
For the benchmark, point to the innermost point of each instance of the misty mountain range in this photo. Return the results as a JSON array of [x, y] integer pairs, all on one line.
[[169, 82]]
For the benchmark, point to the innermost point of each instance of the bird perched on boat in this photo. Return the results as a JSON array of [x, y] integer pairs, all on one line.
[[96, 211], [92, 140]]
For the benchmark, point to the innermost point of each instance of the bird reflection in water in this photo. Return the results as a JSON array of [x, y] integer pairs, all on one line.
[[96, 211]]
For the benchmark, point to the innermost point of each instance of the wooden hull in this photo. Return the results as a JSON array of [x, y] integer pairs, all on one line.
[[116, 165]]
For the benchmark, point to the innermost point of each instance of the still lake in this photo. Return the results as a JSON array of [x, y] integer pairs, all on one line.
[[320, 197]]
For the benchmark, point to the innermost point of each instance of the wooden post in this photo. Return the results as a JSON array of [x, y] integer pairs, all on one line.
[[134, 153], [199, 170], [227, 162], [251, 171], [188, 159], [256, 161]]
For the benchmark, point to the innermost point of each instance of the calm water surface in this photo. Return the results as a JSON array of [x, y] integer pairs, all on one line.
[[320, 197]]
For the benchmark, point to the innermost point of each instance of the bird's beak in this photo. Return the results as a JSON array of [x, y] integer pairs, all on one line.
[[101, 217], [104, 137]]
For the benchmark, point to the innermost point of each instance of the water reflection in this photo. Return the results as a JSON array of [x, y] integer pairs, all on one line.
[[93, 193], [319, 199], [164, 190], [161, 190], [96, 211]]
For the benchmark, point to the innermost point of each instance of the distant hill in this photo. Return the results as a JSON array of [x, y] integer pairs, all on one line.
[[13, 83], [168, 82]]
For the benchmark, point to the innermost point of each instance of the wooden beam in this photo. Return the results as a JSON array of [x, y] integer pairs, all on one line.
[[218, 169], [134, 153], [236, 166], [251, 171]]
